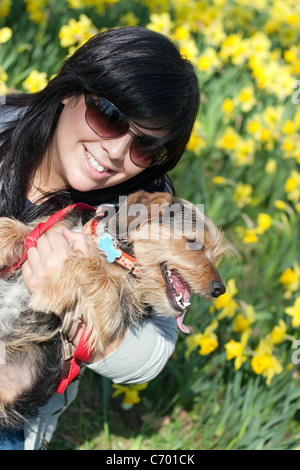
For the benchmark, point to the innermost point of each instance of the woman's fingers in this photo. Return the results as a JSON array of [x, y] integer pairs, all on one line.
[[49, 255], [76, 240]]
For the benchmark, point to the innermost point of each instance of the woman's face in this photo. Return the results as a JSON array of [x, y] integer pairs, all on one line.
[[80, 159]]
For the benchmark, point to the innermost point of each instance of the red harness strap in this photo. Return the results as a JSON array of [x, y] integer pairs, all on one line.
[[81, 354], [41, 228]]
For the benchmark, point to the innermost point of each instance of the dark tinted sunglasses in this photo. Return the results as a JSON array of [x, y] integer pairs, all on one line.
[[107, 121]]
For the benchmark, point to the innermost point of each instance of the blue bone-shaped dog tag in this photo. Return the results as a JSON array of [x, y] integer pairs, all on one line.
[[106, 244]]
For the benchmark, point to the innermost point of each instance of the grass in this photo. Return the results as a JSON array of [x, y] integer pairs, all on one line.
[[202, 402]]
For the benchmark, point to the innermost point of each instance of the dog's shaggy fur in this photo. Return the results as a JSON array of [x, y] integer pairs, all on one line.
[[108, 296]]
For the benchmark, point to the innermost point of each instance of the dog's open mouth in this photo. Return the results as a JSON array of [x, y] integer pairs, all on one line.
[[178, 293]]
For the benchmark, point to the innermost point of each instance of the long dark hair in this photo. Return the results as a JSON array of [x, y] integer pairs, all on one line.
[[140, 71]]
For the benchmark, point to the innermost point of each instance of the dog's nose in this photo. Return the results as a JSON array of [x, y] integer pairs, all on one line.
[[217, 288]]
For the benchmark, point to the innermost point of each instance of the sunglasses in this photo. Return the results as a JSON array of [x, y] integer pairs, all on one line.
[[108, 122]]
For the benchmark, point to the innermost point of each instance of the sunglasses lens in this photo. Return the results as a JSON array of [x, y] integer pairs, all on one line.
[[105, 119], [143, 158]]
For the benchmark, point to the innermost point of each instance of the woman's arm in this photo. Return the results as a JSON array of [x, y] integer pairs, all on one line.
[[142, 354]]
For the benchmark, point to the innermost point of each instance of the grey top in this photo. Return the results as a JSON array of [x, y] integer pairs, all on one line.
[[143, 353]]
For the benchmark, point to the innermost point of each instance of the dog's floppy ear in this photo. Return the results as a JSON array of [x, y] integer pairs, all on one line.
[[138, 209]]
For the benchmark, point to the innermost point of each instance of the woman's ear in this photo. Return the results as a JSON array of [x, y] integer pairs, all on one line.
[[71, 99], [66, 100]]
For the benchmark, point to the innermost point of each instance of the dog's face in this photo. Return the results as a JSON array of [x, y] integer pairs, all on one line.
[[177, 247]]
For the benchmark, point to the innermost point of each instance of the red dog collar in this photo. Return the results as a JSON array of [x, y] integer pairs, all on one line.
[[117, 255]]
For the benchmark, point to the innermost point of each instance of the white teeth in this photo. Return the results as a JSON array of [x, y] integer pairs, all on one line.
[[180, 302], [94, 163], [169, 273]]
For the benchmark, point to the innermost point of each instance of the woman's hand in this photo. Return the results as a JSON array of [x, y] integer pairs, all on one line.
[[49, 255]]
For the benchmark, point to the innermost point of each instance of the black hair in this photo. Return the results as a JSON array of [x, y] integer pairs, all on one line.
[[140, 71]]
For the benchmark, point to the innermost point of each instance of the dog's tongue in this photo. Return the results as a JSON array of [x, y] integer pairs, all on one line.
[[180, 324]]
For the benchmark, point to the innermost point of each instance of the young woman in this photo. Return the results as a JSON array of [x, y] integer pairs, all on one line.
[[115, 119]]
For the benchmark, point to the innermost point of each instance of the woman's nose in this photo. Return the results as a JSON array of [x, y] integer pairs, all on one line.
[[117, 148]]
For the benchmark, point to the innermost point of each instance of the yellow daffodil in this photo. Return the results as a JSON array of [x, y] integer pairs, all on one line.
[[5, 6], [234, 49], [278, 332], [294, 312], [236, 350], [98, 5], [225, 302], [131, 392], [243, 194], [271, 166], [228, 106], [5, 35], [264, 222], [254, 127], [129, 19], [209, 60], [188, 49], [207, 341], [220, 180], [263, 362], [161, 23], [249, 235], [292, 186], [288, 127], [76, 32], [36, 81], [281, 205], [228, 139], [290, 278], [3, 75], [243, 322], [247, 99], [36, 10], [197, 141]]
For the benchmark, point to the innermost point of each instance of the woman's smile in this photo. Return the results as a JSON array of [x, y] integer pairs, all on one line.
[[94, 166]]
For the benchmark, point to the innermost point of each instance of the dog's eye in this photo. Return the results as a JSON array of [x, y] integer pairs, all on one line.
[[194, 244]]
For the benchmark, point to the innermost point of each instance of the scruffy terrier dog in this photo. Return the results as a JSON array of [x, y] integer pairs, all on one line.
[[169, 249]]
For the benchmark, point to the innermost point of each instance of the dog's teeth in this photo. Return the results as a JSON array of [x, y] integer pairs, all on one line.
[[178, 298], [186, 304]]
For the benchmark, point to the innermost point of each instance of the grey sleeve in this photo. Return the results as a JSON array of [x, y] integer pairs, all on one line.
[[142, 354]]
